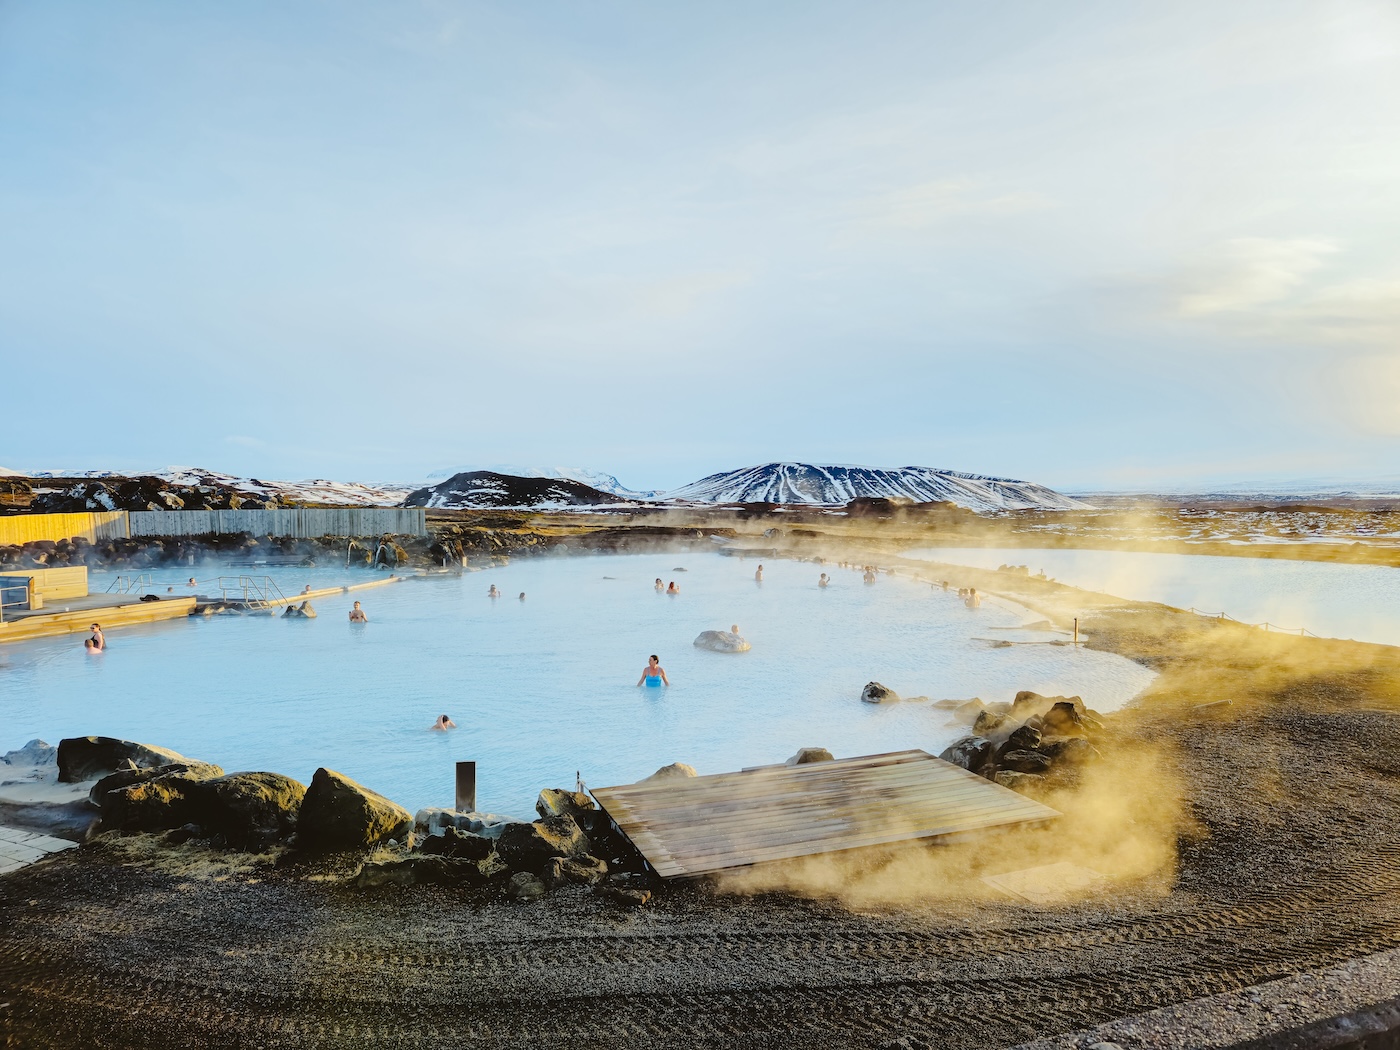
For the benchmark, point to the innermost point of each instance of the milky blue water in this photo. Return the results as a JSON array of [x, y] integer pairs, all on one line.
[[1361, 602], [545, 688]]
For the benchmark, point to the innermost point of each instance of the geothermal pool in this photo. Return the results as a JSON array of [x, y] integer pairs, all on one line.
[[544, 688], [1360, 602]]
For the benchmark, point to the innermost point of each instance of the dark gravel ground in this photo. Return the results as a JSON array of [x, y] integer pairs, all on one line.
[[101, 951]]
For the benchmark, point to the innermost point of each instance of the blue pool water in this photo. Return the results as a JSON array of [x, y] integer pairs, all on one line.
[[1361, 602], [545, 688]]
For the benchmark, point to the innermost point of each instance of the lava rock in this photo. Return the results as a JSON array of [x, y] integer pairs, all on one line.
[[251, 809], [970, 753], [1072, 750], [875, 693], [721, 642], [165, 798], [88, 757], [524, 886], [418, 871], [462, 845], [583, 870], [675, 771], [806, 755], [338, 813], [627, 896], [1023, 762], [530, 847], [1026, 738], [557, 802], [1023, 783]]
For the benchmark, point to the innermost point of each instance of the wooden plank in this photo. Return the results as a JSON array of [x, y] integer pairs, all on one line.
[[93, 526], [706, 824]]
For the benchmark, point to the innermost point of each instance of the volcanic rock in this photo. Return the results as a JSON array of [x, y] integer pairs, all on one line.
[[1024, 783], [530, 847], [557, 802], [674, 771], [806, 755], [251, 809], [1023, 762], [462, 845], [88, 757], [34, 753], [722, 642], [875, 693], [971, 752], [525, 886], [338, 813], [583, 870]]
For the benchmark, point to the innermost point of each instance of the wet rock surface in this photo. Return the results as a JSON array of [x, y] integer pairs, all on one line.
[[875, 693], [86, 757], [722, 642]]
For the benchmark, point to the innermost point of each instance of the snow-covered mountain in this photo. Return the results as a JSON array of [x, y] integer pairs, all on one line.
[[315, 490], [594, 479], [837, 485], [479, 489]]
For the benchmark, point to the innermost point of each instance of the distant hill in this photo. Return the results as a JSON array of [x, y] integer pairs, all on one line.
[[473, 489], [830, 485], [593, 478]]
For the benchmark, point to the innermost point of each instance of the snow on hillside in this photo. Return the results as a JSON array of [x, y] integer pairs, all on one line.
[[316, 490], [477, 489], [837, 485], [594, 479]]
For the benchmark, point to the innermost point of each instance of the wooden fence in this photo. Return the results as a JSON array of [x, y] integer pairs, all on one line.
[[100, 525], [304, 523]]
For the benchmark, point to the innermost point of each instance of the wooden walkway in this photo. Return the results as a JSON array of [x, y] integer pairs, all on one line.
[[697, 825]]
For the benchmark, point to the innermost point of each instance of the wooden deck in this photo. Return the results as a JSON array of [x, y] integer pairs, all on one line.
[[697, 825]]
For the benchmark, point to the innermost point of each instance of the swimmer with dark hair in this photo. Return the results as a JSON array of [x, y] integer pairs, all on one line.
[[673, 589], [758, 576], [493, 592], [522, 596], [98, 641], [824, 581], [357, 615], [659, 585], [653, 674], [443, 724]]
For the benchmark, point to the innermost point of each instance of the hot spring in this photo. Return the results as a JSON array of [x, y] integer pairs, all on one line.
[[544, 689]]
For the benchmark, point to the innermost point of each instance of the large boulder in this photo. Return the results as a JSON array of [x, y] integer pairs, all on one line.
[[530, 847], [251, 809], [339, 814], [675, 771], [1023, 762], [89, 757], [583, 870], [1024, 783], [419, 870], [807, 755], [722, 642], [557, 802], [462, 845], [155, 800], [970, 753], [875, 693]]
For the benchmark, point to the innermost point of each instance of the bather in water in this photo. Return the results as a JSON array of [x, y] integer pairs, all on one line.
[[653, 674]]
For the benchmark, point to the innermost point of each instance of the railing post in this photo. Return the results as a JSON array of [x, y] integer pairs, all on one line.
[[466, 787]]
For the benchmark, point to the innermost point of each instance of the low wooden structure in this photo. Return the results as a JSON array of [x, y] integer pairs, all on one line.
[[692, 826], [112, 610], [94, 527]]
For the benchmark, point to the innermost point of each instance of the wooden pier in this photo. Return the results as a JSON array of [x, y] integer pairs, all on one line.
[[699, 825]]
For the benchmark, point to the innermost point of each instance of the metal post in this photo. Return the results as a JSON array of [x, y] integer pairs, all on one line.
[[466, 787], [1076, 630]]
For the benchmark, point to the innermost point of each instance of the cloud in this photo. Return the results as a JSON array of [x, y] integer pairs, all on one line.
[[1252, 272], [929, 203]]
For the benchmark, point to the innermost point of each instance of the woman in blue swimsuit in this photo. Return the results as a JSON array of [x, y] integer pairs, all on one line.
[[654, 674]]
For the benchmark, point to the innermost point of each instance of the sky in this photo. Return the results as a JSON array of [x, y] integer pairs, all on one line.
[[1091, 245]]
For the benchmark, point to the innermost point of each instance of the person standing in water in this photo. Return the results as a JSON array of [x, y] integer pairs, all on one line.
[[99, 643], [659, 585], [758, 576], [357, 615], [443, 724], [673, 589], [824, 581], [653, 673], [493, 592]]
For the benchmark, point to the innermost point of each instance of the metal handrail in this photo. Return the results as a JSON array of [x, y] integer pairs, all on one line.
[[127, 584], [254, 590]]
